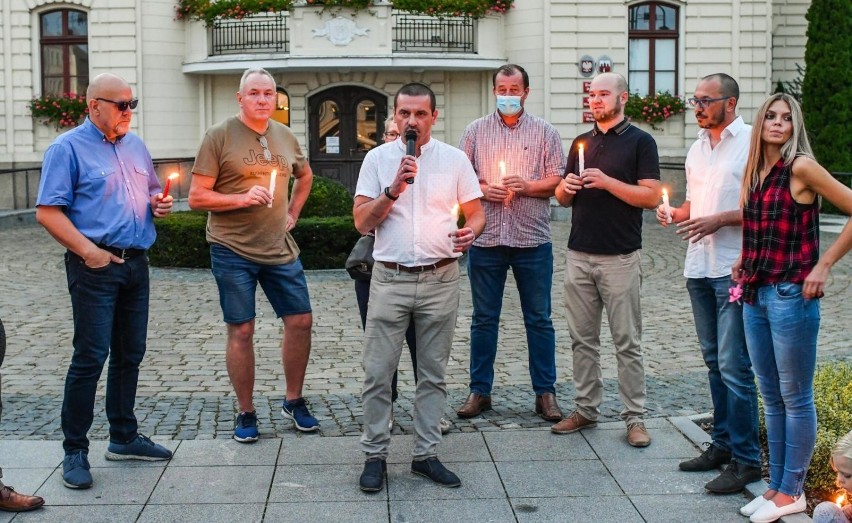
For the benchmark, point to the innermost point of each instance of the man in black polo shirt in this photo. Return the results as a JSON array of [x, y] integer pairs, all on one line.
[[613, 172]]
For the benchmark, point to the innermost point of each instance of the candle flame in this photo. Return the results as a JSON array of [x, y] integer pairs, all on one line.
[[174, 176], [502, 165], [665, 193], [840, 499], [580, 146], [455, 210]]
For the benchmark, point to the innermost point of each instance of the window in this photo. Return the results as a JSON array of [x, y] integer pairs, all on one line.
[[652, 48], [282, 107], [64, 42]]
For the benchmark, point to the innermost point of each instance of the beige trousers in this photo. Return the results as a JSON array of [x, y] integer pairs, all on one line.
[[594, 282]]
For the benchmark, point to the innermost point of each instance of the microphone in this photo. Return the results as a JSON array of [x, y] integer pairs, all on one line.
[[410, 138]]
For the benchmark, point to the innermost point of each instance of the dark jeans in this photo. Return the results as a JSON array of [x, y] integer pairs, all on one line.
[[533, 271], [362, 294], [110, 308], [719, 324]]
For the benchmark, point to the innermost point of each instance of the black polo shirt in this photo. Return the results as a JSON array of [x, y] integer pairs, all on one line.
[[600, 222]]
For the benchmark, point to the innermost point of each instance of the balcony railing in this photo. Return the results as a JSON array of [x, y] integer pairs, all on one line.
[[266, 32], [427, 34], [269, 32]]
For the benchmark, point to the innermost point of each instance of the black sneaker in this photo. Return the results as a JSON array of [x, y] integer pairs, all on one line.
[[734, 479], [373, 477], [710, 459], [433, 469]]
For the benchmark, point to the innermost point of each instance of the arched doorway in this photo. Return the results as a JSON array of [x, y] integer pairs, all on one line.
[[344, 123]]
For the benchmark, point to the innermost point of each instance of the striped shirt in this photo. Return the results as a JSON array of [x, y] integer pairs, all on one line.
[[531, 148], [780, 235]]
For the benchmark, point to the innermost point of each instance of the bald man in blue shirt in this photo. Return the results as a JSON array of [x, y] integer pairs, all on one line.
[[98, 197]]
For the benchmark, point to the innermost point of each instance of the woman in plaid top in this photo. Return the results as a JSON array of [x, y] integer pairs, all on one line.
[[783, 278]]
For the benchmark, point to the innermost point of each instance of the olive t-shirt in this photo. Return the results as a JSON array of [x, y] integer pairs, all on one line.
[[232, 153]]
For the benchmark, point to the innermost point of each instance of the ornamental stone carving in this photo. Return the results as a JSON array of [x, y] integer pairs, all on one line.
[[340, 31]]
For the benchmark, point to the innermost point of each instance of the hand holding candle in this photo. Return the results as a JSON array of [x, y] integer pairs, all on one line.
[[272, 176], [173, 176], [666, 206]]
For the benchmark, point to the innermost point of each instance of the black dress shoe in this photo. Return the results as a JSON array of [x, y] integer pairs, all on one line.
[[373, 477], [734, 479], [433, 469], [710, 459]]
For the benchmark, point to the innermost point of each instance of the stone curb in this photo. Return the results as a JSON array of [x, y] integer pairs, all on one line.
[[688, 426]]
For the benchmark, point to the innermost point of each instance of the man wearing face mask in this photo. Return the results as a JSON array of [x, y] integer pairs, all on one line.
[[519, 161]]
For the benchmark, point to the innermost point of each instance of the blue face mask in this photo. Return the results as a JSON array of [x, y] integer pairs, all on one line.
[[509, 105]]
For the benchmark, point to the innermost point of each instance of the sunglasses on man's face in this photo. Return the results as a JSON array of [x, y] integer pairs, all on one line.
[[122, 105]]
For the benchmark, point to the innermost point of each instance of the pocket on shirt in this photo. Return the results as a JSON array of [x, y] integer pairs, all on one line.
[[100, 173], [141, 171]]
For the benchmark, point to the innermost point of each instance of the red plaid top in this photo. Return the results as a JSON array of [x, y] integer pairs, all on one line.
[[780, 235]]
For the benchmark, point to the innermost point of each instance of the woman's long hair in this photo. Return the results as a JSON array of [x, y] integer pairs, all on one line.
[[797, 145]]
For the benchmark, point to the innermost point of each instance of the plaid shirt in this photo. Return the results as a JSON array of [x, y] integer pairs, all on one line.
[[531, 148], [780, 235]]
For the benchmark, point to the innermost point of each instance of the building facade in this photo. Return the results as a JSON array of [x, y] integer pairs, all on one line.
[[338, 71]]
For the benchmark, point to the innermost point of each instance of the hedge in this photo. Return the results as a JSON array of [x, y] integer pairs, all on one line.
[[324, 242]]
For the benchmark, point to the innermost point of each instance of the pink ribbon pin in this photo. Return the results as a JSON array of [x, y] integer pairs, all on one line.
[[735, 294]]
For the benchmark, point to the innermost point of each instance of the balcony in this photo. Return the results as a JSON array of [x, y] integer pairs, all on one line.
[[381, 38]]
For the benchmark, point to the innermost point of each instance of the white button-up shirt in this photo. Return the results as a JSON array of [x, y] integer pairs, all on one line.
[[416, 230], [713, 181]]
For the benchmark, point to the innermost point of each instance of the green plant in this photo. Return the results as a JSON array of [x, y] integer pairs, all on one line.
[[328, 198], [653, 108], [208, 11], [60, 111], [833, 399], [827, 86]]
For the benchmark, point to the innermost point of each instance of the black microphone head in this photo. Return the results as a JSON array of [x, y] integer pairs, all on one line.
[[411, 134]]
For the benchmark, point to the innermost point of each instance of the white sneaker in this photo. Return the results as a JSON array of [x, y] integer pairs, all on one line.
[[752, 506], [445, 425], [769, 512]]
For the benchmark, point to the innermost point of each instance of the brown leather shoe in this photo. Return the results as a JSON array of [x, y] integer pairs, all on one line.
[[574, 422], [11, 501], [474, 405], [637, 435], [547, 408]]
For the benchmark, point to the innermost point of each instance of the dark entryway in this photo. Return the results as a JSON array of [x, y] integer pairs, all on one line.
[[344, 123]]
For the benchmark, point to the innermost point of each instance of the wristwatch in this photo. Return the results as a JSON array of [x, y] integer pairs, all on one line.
[[388, 194]]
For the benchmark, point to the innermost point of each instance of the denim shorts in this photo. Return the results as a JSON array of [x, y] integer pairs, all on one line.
[[237, 278]]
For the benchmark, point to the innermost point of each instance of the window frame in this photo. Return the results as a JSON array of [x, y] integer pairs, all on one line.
[[654, 35], [66, 41]]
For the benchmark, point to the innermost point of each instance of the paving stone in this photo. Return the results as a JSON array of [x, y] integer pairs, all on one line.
[[480, 510], [576, 508], [199, 485], [550, 479]]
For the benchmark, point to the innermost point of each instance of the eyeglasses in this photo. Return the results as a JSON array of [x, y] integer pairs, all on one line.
[[265, 145], [392, 134], [122, 105], [701, 103]]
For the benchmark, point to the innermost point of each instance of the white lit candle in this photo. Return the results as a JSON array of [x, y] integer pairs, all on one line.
[[582, 159], [454, 226], [272, 176], [173, 176], [508, 199], [666, 206], [502, 170]]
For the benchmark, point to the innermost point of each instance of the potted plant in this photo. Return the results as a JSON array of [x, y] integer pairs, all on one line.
[[67, 110], [653, 109]]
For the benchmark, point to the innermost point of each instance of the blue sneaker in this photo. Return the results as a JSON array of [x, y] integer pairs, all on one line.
[[245, 429], [141, 448], [297, 410], [75, 470]]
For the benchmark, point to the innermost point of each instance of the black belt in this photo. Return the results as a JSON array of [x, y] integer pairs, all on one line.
[[124, 254], [420, 268]]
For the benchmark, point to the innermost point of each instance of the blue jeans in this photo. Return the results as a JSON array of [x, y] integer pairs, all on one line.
[[533, 271], [719, 325], [110, 309], [781, 332]]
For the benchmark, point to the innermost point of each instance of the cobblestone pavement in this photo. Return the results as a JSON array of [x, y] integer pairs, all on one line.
[[184, 392]]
